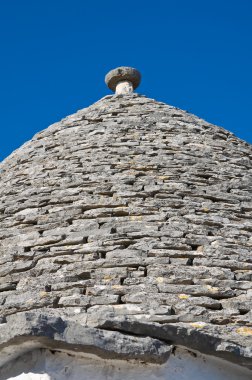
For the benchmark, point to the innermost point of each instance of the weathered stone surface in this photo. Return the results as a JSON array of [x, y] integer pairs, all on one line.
[[122, 74], [134, 216], [54, 332], [208, 338]]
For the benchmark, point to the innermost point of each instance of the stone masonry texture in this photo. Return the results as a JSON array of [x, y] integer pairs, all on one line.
[[126, 228]]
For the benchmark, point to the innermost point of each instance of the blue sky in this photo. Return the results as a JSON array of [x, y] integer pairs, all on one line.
[[196, 55]]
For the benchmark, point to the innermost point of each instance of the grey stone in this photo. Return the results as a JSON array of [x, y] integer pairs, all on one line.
[[131, 216], [53, 332], [122, 74]]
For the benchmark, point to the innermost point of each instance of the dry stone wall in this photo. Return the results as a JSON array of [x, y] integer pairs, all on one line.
[[131, 216]]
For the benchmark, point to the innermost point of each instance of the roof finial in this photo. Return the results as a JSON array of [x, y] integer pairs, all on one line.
[[123, 80]]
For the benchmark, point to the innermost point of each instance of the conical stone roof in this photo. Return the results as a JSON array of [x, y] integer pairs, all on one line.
[[125, 229]]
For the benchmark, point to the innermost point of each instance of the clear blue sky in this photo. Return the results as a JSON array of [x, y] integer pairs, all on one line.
[[193, 54]]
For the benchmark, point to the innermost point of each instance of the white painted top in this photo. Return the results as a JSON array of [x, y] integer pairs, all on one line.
[[44, 365], [124, 87]]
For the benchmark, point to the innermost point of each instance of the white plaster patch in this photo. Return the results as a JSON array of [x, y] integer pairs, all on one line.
[[124, 87], [32, 376], [42, 364]]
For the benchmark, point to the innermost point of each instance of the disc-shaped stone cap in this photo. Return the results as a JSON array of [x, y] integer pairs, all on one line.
[[121, 74]]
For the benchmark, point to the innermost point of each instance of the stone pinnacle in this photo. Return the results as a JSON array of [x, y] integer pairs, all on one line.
[[123, 80]]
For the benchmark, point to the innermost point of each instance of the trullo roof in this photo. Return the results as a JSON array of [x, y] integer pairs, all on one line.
[[125, 229]]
